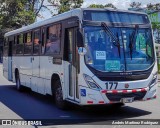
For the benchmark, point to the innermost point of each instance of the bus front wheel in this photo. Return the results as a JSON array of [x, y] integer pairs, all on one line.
[[60, 103]]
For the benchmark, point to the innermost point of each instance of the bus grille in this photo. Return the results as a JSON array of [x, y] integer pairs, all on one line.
[[119, 96]]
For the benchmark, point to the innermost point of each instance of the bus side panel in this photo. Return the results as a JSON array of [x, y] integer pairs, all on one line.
[[10, 68], [41, 82], [50, 69], [5, 62], [5, 67], [25, 65]]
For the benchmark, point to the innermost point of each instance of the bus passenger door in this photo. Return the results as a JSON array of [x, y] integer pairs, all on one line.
[[71, 68]]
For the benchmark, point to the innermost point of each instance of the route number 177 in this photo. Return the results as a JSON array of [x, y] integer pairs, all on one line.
[[111, 85]]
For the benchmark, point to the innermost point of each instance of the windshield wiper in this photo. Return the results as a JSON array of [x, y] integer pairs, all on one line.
[[132, 39], [113, 37]]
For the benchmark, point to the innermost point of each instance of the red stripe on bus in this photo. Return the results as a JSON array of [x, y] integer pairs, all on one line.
[[90, 102], [143, 90], [104, 91], [101, 102], [124, 91], [155, 96], [134, 90], [114, 91]]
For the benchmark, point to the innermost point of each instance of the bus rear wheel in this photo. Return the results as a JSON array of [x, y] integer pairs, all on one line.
[[58, 96], [19, 87]]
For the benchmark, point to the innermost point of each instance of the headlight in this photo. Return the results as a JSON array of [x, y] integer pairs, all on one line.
[[91, 83], [154, 80]]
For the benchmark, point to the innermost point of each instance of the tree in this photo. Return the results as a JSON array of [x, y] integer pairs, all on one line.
[[102, 6], [156, 28], [16, 13], [135, 5], [110, 5], [13, 14], [150, 6], [96, 6], [153, 6], [65, 5], [154, 20]]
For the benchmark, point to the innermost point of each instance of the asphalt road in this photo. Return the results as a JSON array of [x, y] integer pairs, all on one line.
[[30, 105]]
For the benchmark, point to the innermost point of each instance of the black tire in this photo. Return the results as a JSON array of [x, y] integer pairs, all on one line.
[[58, 96], [19, 87], [118, 105]]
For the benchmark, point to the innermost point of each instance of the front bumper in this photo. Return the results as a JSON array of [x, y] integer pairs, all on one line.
[[96, 97]]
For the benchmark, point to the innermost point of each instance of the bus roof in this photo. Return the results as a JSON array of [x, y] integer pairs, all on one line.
[[75, 12], [71, 13]]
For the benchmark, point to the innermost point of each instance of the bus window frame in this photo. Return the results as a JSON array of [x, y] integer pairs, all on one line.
[[24, 39], [33, 37], [43, 40], [46, 36], [14, 46], [5, 47], [18, 44]]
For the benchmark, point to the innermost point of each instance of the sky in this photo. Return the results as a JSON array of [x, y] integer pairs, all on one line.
[[120, 4]]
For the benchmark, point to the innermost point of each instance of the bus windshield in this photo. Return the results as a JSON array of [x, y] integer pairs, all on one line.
[[131, 51]]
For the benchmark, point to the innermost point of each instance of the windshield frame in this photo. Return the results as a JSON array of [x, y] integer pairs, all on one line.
[[115, 13]]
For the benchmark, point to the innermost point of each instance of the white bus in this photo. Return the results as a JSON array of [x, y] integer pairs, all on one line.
[[85, 56]]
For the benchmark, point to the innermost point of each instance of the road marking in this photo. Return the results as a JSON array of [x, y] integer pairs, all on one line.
[[64, 116]]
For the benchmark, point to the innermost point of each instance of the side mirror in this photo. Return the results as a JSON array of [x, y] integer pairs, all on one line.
[[82, 51], [79, 38]]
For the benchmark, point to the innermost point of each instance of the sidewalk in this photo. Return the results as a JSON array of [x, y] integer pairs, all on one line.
[[3, 81]]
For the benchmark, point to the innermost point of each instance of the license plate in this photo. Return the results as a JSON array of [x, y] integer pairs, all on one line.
[[127, 100]]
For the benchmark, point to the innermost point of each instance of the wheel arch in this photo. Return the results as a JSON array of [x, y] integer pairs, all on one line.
[[54, 78]]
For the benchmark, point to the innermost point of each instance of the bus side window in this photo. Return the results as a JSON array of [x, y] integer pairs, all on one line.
[[14, 46], [28, 43], [5, 49], [43, 41], [36, 42], [53, 39], [19, 49]]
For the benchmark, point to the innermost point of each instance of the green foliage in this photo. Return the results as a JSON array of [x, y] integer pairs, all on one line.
[[153, 6], [96, 6], [66, 5], [102, 6], [14, 14], [110, 5], [156, 26]]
